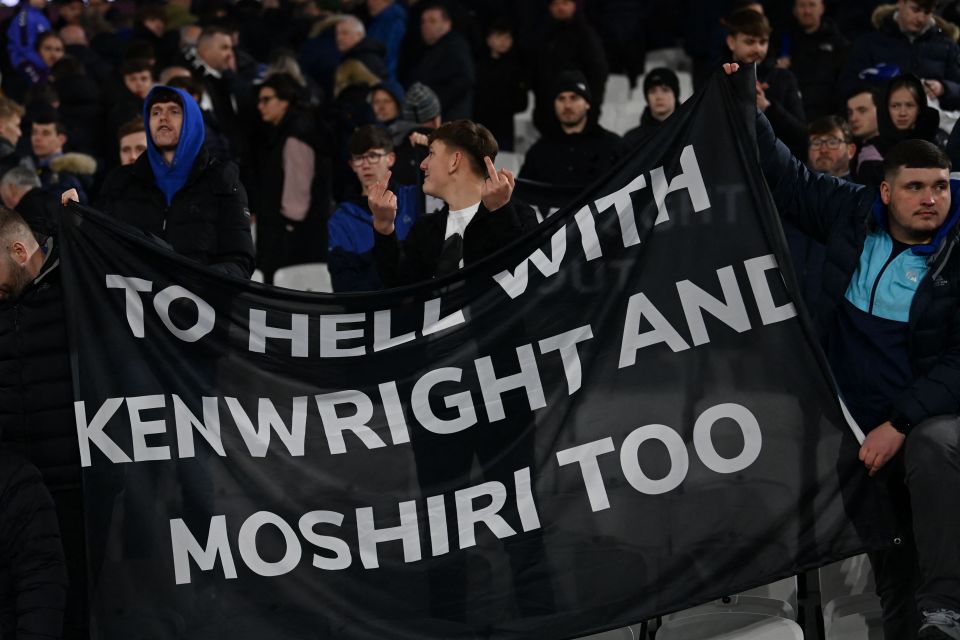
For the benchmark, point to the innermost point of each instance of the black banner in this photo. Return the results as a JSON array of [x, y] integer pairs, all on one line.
[[620, 415]]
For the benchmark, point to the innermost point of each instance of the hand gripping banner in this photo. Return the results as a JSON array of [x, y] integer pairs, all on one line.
[[617, 416]]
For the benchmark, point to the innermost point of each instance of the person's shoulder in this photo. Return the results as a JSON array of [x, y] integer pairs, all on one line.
[[117, 178]]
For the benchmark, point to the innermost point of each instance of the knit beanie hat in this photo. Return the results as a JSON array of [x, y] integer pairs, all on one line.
[[662, 77], [573, 81], [420, 104]]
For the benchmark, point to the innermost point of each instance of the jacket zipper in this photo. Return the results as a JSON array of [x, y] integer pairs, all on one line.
[[876, 283]]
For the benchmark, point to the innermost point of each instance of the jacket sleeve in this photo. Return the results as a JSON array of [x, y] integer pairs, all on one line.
[[812, 202], [936, 392], [235, 253], [30, 543], [950, 99]]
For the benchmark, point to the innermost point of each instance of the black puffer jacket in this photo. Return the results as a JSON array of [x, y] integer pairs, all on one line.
[[816, 59], [932, 55], [33, 579], [839, 214], [208, 219], [36, 393], [574, 158]]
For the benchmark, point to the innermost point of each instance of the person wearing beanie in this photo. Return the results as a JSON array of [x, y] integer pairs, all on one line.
[[178, 193], [579, 150], [661, 88], [420, 117]]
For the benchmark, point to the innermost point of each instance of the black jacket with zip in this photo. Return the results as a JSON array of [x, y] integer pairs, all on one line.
[[207, 220], [840, 214]]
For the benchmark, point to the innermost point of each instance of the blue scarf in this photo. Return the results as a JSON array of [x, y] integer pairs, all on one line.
[[171, 177]]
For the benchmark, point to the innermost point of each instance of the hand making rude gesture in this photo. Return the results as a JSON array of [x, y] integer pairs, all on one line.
[[497, 188], [383, 206]]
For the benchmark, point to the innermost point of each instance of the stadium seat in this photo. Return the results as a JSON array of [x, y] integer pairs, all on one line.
[[758, 605], [626, 633], [784, 590], [851, 609], [314, 276], [509, 160], [732, 625], [617, 90], [257, 275]]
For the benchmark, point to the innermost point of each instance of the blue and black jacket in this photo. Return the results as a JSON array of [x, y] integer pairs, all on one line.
[[351, 239], [918, 288]]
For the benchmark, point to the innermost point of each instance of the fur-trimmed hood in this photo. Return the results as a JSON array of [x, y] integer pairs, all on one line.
[[77, 163], [884, 11]]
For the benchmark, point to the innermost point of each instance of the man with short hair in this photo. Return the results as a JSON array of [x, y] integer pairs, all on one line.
[[579, 150], [353, 44], [133, 141], [226, 94], [20, 190], [661, 88], [477, 221], [888, 314], [814, 50], [459, 170], [778, 95], [36, 393], [446, 64], [867, 164], [831, 151], [177, 192], [351, 235], [10, 132], [58, 171], [910, 37]]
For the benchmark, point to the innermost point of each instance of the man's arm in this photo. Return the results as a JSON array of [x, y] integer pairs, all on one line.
[[951, 80], [812, 202]]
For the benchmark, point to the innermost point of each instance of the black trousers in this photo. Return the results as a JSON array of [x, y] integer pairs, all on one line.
[[922, 573]]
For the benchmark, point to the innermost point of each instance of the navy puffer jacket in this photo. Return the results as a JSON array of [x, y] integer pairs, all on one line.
[[839, 214]]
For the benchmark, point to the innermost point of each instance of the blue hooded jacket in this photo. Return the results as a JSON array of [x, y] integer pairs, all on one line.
[[171, 177]]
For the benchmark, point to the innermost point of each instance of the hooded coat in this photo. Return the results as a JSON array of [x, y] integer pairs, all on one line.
[[816, 60], [196, 204], [927, 128], [932, 55]]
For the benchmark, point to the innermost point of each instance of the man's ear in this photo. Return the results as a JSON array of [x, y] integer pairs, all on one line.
[[731, 41], [19, 253], [885, 192], [851, 150], [62, 137], [391, 159], [456, 158]]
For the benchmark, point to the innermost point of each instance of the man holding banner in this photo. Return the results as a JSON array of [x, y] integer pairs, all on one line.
[[888, 317]]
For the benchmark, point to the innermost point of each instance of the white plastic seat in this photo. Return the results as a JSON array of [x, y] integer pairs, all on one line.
[[509, 160], [617, 90], [784, 590], [854, 617], [758, 605], [626, 633], [313, 276], [731, 625], [851, 608], [257, 275]]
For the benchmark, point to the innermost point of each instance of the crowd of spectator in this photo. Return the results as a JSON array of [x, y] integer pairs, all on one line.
[[284, 86], [336, 125]]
